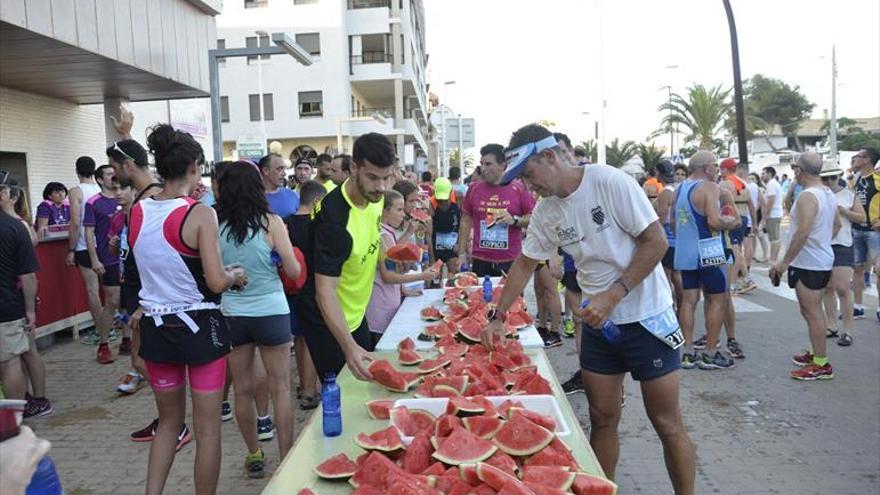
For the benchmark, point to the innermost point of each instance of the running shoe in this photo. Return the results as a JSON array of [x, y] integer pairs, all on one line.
[[265, 429], [38, 407], [748, 285], [717, 362], [858, 313], [574, 384], [830, 334], [225, 411], [845, 340], [307, 403], [700, 343], [130, 383], [183, 438], [90, 338], [125, 347], [813, 372], [145, 434], [105, 355], [803, 359], [553, 340], [253, 464], [688, 361], [568, 327], [734, 349]]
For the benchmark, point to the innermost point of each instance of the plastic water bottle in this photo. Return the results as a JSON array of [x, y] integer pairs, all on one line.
[[609, 330], [487, 289], [465, 267], [45, 480], [426, 260], [330, 400]]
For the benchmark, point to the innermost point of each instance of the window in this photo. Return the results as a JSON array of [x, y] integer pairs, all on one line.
[[224, 109], [221, 45], [251, 42], [311, 42], [304, 2], [255, 4], [311, 104], [402, 51], [254, 102], [268, 106]]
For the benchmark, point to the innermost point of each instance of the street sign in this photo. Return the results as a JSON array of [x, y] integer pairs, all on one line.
[[462, 137], [251, 147]]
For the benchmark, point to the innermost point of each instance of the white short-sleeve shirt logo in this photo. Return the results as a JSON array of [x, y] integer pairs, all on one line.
[[599, 218], [567, 236]]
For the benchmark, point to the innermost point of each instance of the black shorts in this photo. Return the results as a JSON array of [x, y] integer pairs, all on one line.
[[570, 282], [111, 277], [668, 260], [128, 298], [812, 279], [843, 256], [82, 259], [492, 269], [638, 352], [173, 341], [444, 255], [261, 330], [325, 351]]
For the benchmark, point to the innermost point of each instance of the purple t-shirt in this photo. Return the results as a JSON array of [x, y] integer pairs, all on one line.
[[99, 210], [500, 242], [55, 214]]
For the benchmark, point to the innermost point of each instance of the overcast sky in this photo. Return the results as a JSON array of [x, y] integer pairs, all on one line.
[[517, 61]]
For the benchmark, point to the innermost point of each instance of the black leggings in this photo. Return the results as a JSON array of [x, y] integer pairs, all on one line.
[[325, 351]]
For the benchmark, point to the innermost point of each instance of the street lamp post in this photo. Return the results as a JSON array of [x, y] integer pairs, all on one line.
[[668, 89], [284, 44], [445, 158], [265, 138], [832, 130], [737, 87]]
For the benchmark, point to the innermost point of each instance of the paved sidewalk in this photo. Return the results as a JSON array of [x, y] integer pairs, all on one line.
[[756, 430]]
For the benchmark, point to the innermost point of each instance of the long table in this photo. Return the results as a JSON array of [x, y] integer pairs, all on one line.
[[407, 322], [311, 448]]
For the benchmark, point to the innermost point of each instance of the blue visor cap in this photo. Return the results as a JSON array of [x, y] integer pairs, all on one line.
[[517, 158]]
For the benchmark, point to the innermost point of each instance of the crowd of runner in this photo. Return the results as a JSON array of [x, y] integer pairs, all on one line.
[[225, 284]]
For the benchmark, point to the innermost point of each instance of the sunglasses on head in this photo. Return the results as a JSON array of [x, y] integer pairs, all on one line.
[[117, 148]]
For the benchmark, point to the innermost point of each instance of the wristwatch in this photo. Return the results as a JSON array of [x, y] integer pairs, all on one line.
[[494, 314], [516, 219]]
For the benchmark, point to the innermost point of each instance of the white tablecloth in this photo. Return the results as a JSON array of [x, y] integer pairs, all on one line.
[[408, 322]]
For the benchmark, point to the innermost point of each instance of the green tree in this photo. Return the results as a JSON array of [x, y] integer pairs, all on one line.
[[617, 153], [456, 157], [549, 124], [592, 149], [649, 154], [854, 141], [702, 112], [844, 124], [773, 102]]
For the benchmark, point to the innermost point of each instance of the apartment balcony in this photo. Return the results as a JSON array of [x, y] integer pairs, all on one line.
[[371, 66], [368, 16], [386, 112], [368, 4]]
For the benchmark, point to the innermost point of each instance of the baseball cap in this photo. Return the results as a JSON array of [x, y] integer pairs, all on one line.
[[728, 164], [665, 171], [518, 157], [442, 188]]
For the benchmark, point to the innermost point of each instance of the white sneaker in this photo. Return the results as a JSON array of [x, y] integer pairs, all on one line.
[[130, 384]]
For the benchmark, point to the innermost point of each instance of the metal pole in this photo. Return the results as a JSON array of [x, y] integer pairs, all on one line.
[[737, 87], [460, 146], [600, 152], [262, 107], [216, 126], [832, 135], [671, 129], [443, 167]]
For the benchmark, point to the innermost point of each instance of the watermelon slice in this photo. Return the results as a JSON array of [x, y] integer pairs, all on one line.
[[453, 349], [443, 390], [379, 408], [463, 447], [516, 321], [484, 427], [336, 468], [412, 421], [420, 215], [543, 490], [440, 329], [418, 454], [460, 406], [470, 330], [432, 365], [503, 462], [430, 314], [374, 471], [558, 477], [406, 344], [539, 419], [515, 488], [387, 376], [468, 279], [501, 361], [534, 385], [407, 252], [520, 437], [408, 357], [387, 440], [493, 476], [306, 491], [589, 484], [436, 469]]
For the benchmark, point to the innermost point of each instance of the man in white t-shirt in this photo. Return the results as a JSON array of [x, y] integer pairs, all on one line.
[[773, 196], [809, 260], [600, 217]]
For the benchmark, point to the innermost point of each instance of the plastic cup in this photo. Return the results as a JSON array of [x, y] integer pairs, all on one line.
[[11, 412]]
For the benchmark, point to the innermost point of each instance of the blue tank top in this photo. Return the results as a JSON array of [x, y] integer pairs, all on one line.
[[264, 294], [690, 227]]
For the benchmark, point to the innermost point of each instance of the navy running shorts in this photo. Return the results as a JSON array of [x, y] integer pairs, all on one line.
[[636, 351], [712, 279], [261, 330]]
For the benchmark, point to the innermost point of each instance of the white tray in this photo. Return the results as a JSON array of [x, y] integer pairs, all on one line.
[[542, 404]]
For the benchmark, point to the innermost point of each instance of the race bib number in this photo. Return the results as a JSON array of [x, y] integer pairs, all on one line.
[[711, 252], [665, 327], [494, 236], [446, 241]]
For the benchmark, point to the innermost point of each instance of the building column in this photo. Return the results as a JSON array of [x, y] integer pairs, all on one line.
[[399, 123], [111, 107]]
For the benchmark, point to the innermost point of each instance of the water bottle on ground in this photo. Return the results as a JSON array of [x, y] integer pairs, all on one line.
[[487, 289], [609, 330], [330, 402], [45, 479]]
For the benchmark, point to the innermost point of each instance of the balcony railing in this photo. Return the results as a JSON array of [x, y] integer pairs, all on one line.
[[387, 112], [372, 57], [368, 4]]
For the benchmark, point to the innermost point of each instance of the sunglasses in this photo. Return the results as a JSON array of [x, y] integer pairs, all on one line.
[[117, 148]]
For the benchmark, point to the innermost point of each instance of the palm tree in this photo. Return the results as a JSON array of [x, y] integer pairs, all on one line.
[[617, 154], [592, 149], [702, 112], [650, 155], [456, 157]]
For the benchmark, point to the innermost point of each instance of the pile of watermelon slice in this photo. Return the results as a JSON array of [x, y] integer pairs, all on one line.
[[465, 312], [474, 448]]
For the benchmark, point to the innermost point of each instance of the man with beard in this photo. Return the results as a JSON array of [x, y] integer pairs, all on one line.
[[302, 173], [326, 171], [342, 253]]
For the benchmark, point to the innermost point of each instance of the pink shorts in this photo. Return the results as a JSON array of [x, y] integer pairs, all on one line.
[[209, 377]]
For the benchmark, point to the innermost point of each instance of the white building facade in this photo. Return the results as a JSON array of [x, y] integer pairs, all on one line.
[[368, 75]]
